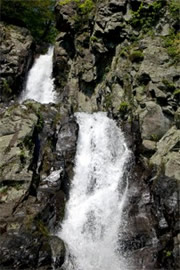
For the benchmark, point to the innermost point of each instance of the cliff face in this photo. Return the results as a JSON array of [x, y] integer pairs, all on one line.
[[16, 49], [38, 144], [116, 56], [122, 57]]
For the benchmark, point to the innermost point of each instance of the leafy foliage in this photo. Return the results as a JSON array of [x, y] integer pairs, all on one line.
[[172, 43], [84, 7], [36, 15], [123, 106], [174, 7], [147, 16], [84, 10]]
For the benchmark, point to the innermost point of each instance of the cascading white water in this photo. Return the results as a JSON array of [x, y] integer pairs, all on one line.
[[39, 85], [98, 193]]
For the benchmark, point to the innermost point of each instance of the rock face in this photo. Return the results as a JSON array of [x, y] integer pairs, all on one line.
[[115, 56], [152, 121], [34, 179], [167, 154], [17, 127], [118, 58], [16, 57]]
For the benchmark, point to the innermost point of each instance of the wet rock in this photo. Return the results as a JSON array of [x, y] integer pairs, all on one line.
[[19, 252], [32, 207], [66, 148], [176, 250], [67, 137], [58, 251]]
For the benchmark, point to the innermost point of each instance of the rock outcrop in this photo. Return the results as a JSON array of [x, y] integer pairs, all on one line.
[[16, 58], [35, 173], [122, 57]]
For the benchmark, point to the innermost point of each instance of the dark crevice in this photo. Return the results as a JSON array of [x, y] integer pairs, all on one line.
[[135, 5]]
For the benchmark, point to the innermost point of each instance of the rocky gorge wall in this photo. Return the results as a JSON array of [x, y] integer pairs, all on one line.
[[123, 57], [116, 56]]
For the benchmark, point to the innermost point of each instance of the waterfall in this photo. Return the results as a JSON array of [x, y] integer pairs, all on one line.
[[94, 212], [39, 85]]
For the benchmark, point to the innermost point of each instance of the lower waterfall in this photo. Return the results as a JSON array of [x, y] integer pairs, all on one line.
[[94, 212], [40, 84]]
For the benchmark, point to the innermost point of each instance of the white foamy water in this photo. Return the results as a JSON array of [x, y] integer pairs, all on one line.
[[39, 85], [94, 212]]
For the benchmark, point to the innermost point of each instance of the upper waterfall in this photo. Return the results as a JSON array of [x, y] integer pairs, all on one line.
[[94, 212], [40, 84]]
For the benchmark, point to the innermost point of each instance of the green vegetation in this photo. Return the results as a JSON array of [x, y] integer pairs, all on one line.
[[168, 253], [23, 156], [6, 89], [174, 8], [124, 52], [108, 100], [123, 108], [136, 56], [28, 142], [154, 138], [176, 92], [147, 15], [41, 228], [170, 87], [35, 15], [84, 7], [57, 119], [65, 2], [37, 110], [172, 43], [40, 123], [125, 111], [3, 190], [93, 39], [84, 10]]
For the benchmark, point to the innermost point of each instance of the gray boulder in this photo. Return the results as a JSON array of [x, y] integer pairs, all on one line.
[[167, 154], [153, 123]]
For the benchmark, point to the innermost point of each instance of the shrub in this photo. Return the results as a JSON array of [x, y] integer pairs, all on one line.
[[86, 7], [123, 107], [147, 16], [108, 100], [35, 15], [6, 88], [174, 8], [172, 43]]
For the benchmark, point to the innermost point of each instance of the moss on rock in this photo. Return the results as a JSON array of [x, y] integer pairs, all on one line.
[[136, 56]]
